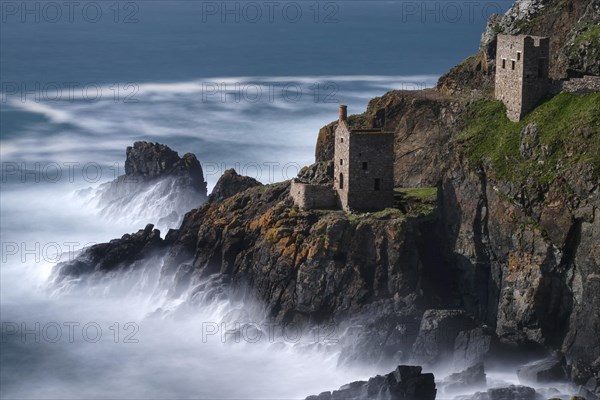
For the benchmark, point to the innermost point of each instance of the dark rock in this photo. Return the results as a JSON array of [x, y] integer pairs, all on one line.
[[438, 333], [405, 383], [321, 396], [471, 378], [118, 253], [229, 184], [552, 369], [508, 393], [154, 175], [147, 161], [474, 347]]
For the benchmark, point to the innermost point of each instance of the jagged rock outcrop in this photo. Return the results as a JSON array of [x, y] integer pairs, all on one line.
[[112, 256], [437, 335], [149, 161], [472, 378], [154, 175], [551, 369], [319, 173], [229, 184], [508, 393], [405, 383]]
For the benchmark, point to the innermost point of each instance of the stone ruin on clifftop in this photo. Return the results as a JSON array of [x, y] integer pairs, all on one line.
[[363, 172]]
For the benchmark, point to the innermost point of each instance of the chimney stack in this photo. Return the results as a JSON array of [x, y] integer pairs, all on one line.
[[343, 112]]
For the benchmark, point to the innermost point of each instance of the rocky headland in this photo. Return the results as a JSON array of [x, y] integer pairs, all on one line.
[[491, 253]]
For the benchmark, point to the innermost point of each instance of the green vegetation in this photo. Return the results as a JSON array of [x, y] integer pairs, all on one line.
[[590, 33], [588, 36], [428, 194], [569, 134], [417, 201]]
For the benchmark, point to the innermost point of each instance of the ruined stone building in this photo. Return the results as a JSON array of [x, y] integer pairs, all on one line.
[[522, 65], [363, 172], [364, 166]]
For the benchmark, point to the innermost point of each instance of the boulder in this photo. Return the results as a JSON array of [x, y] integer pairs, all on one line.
[[471, 378], [551, 369], [474, 347], [405, 383], [438, 333], [507, 393], [230, 184]]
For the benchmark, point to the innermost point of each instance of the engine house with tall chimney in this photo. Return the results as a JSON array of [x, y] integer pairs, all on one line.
[[363, 172], [364, 166]]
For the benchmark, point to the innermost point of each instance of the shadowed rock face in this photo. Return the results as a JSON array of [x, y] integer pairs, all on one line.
[[552, 369], [229, 184], [405, 383], [471, 378]]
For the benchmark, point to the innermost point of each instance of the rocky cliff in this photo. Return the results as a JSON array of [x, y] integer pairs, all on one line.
[[507, 257]]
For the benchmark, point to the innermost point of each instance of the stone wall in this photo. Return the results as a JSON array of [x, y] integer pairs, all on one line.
[[586, 84], [363, 168], [341, 159], [308, 197], [536, 81], [522, 65]]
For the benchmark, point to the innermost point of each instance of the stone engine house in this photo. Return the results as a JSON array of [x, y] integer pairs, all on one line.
[[363, 172], [522, 65]]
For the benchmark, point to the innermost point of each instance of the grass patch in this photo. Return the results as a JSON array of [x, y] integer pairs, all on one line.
[[490, 136], [428, 194]]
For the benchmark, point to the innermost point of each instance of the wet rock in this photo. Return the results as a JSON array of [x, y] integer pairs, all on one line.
[[471, 378], [508, 393], [229, 184], [117, 253], [405, 383], [158, 186], [438, 333], [474, 347], [552, 369]]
